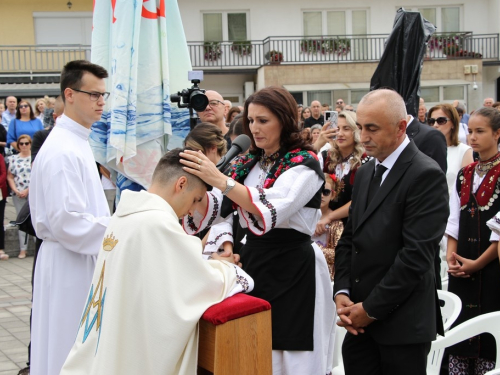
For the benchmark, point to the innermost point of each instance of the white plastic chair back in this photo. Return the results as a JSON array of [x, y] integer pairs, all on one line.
[[451, 309], [487, 323], [338, 363]]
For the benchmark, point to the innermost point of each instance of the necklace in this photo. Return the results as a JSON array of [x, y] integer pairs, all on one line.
[[340, 167], [266, 163], [484, 167]]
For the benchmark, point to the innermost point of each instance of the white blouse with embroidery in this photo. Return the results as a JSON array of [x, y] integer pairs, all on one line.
[[281, 206], [454, 218]]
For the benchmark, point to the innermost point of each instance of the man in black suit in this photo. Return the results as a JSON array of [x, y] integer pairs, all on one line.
[[428, 140], [385, 288], [432, 143]]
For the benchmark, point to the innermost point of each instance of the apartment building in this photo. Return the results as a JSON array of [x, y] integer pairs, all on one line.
[[321, 50]]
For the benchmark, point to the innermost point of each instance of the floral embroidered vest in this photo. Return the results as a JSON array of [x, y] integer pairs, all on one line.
[[286, 160]]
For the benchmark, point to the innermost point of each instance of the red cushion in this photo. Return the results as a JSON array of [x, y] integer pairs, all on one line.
[[235, 307]]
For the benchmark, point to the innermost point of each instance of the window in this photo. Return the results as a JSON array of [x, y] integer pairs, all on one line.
[[320, 96], [446, 19], [335, 22], [453, 93], [440, 94], [219, 26], [430, 94], [77, 27], [357, 95]]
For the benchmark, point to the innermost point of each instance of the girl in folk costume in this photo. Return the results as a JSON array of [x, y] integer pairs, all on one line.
[[276, 189], [327, 242], [343, 159], [472, 247]]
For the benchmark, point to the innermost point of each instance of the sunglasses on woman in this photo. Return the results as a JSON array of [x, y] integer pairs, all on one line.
[[439, 120], [327, 192], [23, 143], [23, 106]]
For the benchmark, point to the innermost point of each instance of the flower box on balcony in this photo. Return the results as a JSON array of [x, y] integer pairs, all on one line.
[[274, 57], [212, 51], [242, 47]]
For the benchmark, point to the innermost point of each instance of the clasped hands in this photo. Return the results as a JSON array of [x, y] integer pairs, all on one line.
[[352, 316], [227, 255], [23, 193], [460, 266]]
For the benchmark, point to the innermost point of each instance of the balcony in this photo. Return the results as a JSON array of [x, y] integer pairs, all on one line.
[[331, 49], [38, 63], [43, 63]]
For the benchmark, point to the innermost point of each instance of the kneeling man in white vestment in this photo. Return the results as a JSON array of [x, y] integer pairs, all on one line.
[[151, 284]]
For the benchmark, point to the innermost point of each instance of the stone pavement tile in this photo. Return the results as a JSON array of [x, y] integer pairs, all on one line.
[[6, 368], [13, 324], [18, 309], [15, 305]]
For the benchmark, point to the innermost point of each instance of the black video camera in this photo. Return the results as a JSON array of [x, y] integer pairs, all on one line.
[[194, 97]]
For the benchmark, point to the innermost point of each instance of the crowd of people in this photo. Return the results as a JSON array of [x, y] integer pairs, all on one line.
[[373, 205]]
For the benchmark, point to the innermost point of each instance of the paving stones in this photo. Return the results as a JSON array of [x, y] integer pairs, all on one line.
[[15, 308]]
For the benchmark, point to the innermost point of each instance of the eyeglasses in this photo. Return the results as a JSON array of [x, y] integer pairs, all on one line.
[[326, 192], [23, 143], [339, 102], [94, 96], [215, 103], [24, 106], [439, 120]]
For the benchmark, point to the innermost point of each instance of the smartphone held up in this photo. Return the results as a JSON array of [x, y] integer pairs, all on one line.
[[333, 118]]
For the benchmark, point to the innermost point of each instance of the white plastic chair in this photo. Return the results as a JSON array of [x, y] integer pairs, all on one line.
[[487, 323], [338, 363], [451, 309], [450, 312]]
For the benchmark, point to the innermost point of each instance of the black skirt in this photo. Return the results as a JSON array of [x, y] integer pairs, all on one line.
[[282, 264]]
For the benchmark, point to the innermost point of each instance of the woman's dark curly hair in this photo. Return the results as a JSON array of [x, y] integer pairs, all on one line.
[[282, 104]]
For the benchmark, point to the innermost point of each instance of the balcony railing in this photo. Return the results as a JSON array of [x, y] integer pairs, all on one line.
[[48, 60], [332, 49], [39, 60]]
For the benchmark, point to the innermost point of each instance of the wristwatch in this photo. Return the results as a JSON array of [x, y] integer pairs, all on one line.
[[230, 184]]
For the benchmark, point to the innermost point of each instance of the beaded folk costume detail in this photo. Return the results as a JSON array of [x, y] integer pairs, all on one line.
[[488, 192]]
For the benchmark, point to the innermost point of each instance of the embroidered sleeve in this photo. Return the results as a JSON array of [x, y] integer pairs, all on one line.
[[199, 221], [494, 223], [244, 283], [219, 233], [291, 192]]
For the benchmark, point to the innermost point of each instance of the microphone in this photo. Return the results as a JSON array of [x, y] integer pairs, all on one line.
[[240, 144]]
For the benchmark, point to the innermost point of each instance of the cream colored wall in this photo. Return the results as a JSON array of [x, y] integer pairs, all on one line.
[[357, 73], [17, 27]]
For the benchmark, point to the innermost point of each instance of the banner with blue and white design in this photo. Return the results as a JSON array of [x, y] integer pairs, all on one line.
[[142, 45]]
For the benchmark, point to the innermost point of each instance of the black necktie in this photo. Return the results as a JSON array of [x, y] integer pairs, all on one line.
[[376, 181]]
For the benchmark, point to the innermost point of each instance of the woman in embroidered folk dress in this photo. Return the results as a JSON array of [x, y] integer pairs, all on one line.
[[472, 247], [277, 193], [343, 159]]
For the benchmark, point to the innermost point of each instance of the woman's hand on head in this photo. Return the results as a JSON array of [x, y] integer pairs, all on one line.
[[196, 163]]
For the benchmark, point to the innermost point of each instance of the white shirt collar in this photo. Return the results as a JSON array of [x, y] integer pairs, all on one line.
[[391, 159], [409, 121], [64, 122]]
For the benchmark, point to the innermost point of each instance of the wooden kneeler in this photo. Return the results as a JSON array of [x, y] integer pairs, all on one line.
[[235, 337]]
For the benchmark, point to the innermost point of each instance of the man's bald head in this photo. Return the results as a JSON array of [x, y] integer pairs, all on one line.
[[393, 104], [488, 102], [215, 111], [214, 94], [315, 109], [381, 115]]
